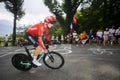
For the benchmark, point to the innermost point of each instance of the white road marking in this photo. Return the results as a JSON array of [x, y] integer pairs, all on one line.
[[9, 54], [100, 51], [64, 49]]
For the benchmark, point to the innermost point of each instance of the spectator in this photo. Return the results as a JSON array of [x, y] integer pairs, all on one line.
[[76, 40], [105, 36], [6, 40], [62, 39], [68, 38], [111, 35], [53, 39], [19, 41], [74, 34], [99, 37], [90, 34], [56, 39], [117, 34], [83, 38], [59, 39]]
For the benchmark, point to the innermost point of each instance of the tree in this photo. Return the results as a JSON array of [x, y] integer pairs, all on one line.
[[99, 14], [2, 0], [68, 8], [15, 7]]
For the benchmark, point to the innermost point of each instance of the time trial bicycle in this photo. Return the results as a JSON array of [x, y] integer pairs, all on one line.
[[23, 62]]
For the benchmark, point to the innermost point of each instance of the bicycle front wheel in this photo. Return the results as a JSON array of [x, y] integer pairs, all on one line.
[[53, 60]]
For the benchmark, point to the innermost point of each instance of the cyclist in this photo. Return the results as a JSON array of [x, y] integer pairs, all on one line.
[[35, 35]]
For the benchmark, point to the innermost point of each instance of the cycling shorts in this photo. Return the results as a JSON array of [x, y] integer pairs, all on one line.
[[32, 39]]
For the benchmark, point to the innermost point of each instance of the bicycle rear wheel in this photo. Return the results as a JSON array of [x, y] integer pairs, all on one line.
[[21, 62], [53, 60]]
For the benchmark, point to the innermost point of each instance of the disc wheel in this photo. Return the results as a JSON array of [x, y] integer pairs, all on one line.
[[53, 60], [21, 62]]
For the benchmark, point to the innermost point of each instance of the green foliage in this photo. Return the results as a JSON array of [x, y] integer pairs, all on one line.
[[93, 14], [3, 0], [56, 30], [68, 7], [99, 15], [1, 38], [15, 7]]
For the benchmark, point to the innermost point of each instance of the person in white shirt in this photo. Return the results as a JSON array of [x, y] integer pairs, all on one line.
[[117, 34], [74, 34], [111, 35], [76, 40], [53, 39], [105, 36], [62, 39], [99, 35]]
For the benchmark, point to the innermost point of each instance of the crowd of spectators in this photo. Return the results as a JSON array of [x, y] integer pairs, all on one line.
[[108, 36]]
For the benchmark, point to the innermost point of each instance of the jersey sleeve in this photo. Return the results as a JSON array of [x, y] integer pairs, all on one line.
[[47, 34], [48, 37], [40, 30], [40, 34], [41, 43]]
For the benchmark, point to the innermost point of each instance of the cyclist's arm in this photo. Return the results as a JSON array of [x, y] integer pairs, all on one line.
[[48, 37], [40, 34]]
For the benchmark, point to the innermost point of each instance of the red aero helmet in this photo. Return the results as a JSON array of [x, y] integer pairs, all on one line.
[[50, 19]]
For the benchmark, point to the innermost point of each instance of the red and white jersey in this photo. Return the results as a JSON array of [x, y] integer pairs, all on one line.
[[36, 29], [39, 29]]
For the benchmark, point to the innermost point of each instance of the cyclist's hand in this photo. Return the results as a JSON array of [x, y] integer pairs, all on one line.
[[45, 51]]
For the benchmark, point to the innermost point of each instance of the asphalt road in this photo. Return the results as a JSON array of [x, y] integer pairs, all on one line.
[[89, 63]]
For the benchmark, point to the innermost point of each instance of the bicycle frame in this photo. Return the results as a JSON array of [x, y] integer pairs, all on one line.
[[41, 55]]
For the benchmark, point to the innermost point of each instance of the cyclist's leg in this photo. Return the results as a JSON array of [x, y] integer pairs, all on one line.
[[37, 50], [34, 41]]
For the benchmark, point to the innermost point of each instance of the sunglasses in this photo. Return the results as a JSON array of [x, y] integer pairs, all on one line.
[[52, 22]]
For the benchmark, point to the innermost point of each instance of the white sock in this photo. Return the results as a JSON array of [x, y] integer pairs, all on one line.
[[35, 58]]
